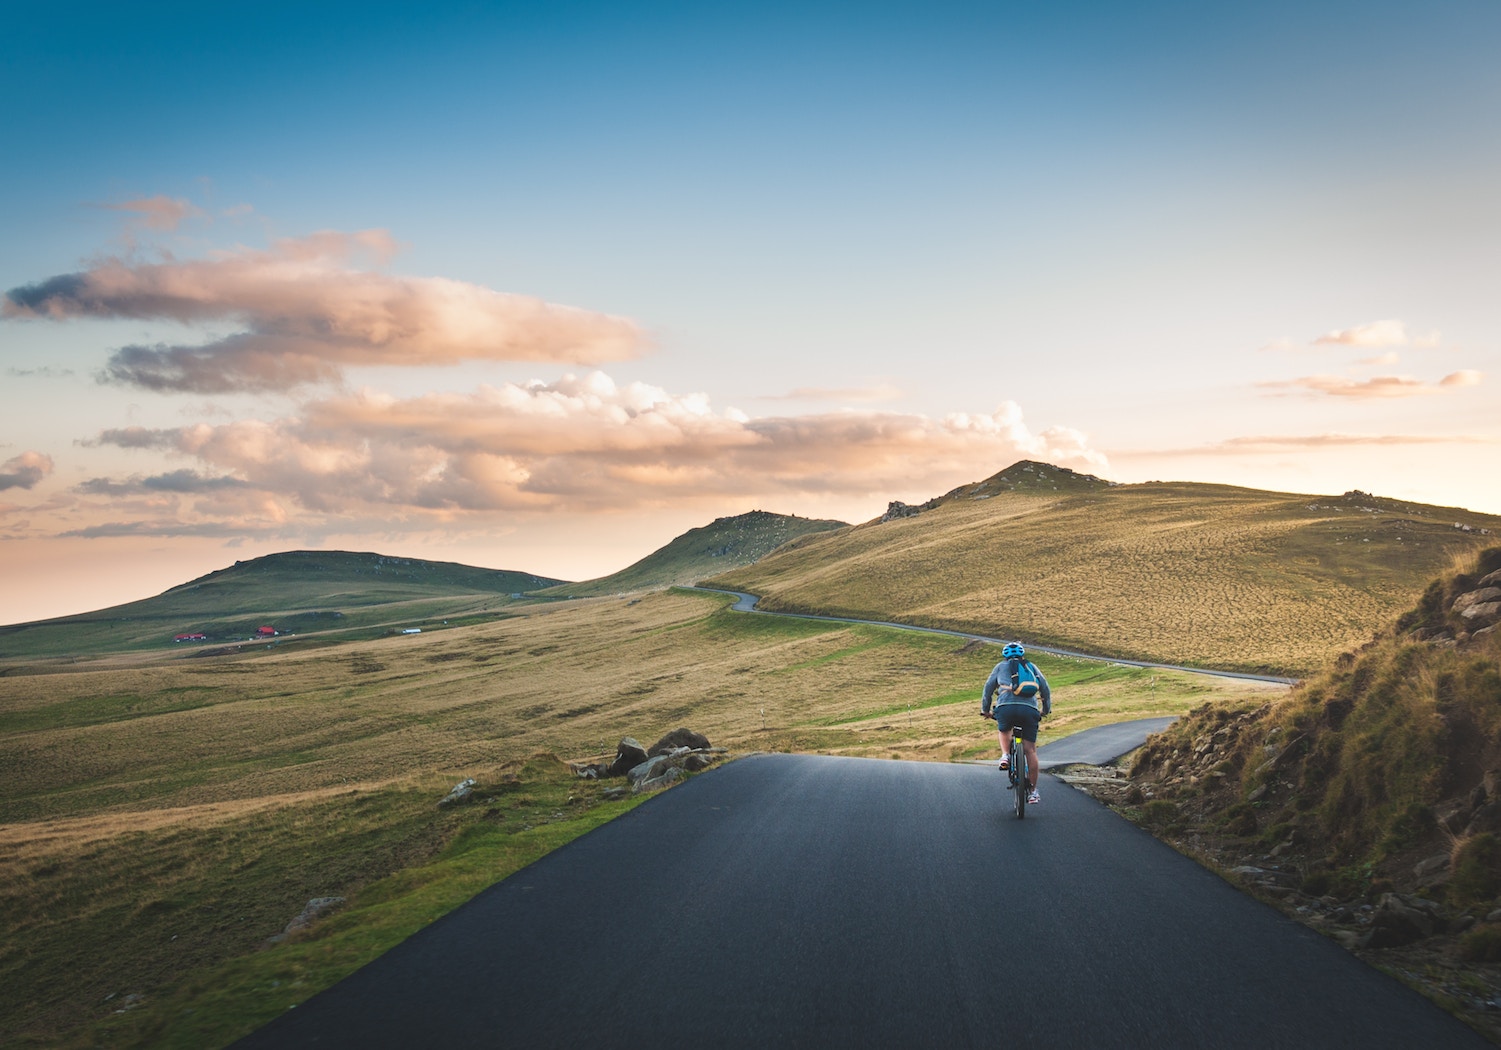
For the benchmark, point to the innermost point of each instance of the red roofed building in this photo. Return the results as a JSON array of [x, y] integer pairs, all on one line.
[[265, 632], [190, 638]]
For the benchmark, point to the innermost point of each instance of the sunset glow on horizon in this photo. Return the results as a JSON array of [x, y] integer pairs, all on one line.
[[542, 288]]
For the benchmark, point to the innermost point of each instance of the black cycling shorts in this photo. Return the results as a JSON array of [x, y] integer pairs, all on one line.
[[1021, 717]]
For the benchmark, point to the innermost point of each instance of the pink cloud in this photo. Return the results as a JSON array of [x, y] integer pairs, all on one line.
[[159, 212], [585, 443], [308, 313], [1375, 334], [1379, 387], [24, 471]]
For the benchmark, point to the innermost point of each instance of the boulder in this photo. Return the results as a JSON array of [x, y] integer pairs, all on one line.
[[314, 908], [1402, 920], [1492, 579], [1476, 597], [628, 754], [671, 775], [1486, 818], [679, 738], [650, 768], [697, 760], [461, 791], [1482, 613]]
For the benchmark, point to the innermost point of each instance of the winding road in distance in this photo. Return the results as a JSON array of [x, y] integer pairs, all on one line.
[[745, 602], [813, 901]]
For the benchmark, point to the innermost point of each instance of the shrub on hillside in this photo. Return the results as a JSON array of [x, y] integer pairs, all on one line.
[[1476, 866]]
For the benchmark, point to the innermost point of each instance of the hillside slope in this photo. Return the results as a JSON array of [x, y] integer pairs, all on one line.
[[1368, 802], [294, 591], [1196, 574], [724, 543]]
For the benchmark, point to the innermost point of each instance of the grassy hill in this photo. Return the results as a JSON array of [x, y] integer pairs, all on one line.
[[296, 592], [725, 543], [1197, 574]]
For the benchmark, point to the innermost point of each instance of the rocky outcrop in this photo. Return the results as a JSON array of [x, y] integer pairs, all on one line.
[[677, 754]]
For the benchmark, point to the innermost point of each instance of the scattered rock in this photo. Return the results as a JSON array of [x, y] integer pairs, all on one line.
[[1401, 920], [679, 738], [314, 908], [671, 775], [628, 754], [460, 793]]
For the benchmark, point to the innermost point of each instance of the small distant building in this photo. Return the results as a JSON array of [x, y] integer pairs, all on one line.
[[190, 638], [411, 630], [266, 632]]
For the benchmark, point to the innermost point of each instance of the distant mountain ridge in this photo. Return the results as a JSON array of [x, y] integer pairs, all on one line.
[[723, 544], [1174, 572]]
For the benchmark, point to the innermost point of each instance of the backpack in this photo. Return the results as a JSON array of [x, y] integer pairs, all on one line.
[[1023, 679]]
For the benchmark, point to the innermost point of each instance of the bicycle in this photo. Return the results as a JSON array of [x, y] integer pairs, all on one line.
[[1016, 771]]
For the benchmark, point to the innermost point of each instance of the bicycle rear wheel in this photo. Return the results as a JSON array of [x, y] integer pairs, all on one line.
[[1019, 785]]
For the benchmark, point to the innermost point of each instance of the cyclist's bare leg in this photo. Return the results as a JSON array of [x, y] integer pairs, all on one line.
[[1005, 742], [1031, 752]]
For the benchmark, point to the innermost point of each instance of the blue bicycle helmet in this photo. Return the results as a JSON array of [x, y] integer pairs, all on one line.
[[1013, 649]]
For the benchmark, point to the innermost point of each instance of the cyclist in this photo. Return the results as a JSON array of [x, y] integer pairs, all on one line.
[[1013, 712]]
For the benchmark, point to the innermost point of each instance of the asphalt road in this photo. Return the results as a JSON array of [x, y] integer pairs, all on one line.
[[795, 900], [745, 602], [1099, 745]]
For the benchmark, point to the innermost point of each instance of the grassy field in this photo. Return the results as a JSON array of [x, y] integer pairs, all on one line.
[[324, 595], [159, 822], [1201, 575]]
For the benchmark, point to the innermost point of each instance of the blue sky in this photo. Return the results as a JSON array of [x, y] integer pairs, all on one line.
[[1256, 245]]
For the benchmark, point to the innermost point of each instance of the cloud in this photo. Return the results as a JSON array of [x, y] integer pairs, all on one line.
[[1379, 387], [45, 372], [177, 481], [24, 471], [1391, 357], [588, 444], [159, 212], [1464, 377], [308, 313], [1375, 334]]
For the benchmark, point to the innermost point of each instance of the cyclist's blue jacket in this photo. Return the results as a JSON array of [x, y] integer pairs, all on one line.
[[998, 688]]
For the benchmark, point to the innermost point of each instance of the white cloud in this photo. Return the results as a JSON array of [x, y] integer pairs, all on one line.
[[585, 444]]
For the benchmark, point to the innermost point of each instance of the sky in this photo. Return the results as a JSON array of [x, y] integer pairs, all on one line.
[[542, 286]]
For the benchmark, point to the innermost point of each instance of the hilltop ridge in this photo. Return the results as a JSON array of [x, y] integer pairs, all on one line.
[[723, 544], [1026, 475]]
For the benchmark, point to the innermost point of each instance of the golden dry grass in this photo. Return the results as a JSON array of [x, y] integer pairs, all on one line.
[[141, 804], [1190, 574]]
